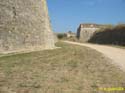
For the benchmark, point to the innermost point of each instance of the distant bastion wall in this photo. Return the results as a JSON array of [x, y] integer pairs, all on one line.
[[86, 31]]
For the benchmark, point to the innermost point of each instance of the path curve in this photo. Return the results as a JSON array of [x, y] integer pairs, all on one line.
[[117, 55]]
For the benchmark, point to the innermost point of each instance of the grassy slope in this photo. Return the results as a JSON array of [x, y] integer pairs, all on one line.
[[70, 69]]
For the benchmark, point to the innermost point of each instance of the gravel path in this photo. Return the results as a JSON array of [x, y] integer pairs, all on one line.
[[117, 55]]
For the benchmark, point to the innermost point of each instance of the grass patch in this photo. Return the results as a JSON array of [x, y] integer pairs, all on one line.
[[122, 47], [70, 69]]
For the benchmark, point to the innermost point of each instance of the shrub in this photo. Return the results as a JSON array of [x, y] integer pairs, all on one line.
[[61, 35]]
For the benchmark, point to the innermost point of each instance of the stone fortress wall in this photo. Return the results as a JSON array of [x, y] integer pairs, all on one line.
[[25, 25], [86, 31]]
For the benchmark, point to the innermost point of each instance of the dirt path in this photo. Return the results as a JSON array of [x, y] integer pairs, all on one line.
[[117, 55]]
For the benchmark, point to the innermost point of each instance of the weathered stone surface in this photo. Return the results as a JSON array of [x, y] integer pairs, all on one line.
[[55, 38], [24, 24], [86, 31]]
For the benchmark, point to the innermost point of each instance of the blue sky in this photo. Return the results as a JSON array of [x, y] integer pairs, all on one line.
[[66, 15]]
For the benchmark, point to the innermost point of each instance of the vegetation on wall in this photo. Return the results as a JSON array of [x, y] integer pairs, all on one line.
[[115, 36]]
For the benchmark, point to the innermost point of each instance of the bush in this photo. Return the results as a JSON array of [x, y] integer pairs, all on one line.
[[61, 35]]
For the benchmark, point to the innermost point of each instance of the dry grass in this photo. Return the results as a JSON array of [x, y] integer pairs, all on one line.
[[70, 69], [118, 46]]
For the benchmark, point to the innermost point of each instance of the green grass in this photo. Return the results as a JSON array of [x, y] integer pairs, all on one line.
[[70, 69]]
